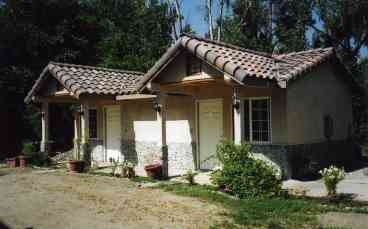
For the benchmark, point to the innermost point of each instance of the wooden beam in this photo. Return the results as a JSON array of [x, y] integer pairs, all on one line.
[[135, 97]]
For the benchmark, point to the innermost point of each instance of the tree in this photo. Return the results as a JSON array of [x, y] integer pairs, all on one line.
[[344, 26], [269, 25], [210, 18], [112, 33], [134, 44], [223, 4]]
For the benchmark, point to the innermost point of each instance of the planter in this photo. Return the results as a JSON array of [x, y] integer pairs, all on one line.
[[76, 166], [154, 171], [128, 172], [22, 161], [12, 162]]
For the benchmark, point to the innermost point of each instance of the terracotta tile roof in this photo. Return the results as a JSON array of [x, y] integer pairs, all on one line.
[[241, 63], [80, 79], [294, 64]]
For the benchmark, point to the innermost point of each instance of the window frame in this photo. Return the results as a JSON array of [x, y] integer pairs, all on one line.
[[89, 123], [250, 120]]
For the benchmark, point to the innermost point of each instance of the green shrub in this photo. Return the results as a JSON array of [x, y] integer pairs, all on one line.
[[189, 176], [33, 156], [331, 177], [242, 175], [28, 148]]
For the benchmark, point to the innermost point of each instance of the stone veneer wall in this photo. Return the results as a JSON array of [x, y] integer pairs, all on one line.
[[97, 150], [181, 158], [303, 160], [141, 153]]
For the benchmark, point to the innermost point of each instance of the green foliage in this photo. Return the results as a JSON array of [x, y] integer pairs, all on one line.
[[262, 213], [331, 177], [269, 26], [243, 175], [33, 156], [28, 148], [189, 176], [112, 33], [284, 213]]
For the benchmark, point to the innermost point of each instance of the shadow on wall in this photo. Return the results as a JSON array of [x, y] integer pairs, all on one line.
[[304, 161], [308, 159]]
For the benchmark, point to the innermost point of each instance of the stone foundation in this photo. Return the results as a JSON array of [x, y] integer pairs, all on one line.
[[141, 153], [305, 160], [181, 158], [97, 150]]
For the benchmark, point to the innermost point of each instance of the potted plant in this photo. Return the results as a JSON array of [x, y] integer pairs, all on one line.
[[12, 162], [331, 177], [76, 166], [154, 171], [22, 161], [128, 169]]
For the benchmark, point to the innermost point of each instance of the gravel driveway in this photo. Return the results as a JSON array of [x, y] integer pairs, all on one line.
[[355, 183], [38, 199]]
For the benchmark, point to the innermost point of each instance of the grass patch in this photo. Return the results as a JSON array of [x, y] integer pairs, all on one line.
[[264, 213], [140, 179]]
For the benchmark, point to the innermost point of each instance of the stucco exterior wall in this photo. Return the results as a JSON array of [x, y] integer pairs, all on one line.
[[140, 134], [313, 96]]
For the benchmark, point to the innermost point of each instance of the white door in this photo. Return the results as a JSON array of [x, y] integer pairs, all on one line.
[[113, 133], [210, 131]]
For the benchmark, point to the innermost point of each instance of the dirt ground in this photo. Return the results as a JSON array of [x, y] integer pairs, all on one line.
[[38, 199]]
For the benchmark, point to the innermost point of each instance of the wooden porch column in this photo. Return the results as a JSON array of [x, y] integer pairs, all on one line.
[[160, 107], [77, 135], [237, 117], [84, 129], [44, 147]]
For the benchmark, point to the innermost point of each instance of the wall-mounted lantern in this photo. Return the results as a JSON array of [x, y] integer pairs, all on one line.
[[157, 106], [236, 102]]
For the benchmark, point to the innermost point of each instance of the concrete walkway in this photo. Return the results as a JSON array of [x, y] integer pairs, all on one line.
[[355, 183]]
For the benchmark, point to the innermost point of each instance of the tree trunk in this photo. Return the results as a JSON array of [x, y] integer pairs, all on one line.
[[180, 19], [219, 29], [210, 25]]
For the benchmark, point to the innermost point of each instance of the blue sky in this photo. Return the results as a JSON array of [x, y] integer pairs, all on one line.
[[193, 12]]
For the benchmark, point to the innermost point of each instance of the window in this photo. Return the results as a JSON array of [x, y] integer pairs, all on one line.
[[257, 120], [194, 65], [92, 123]]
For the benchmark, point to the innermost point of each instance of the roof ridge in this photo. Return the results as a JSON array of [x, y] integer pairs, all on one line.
[[264, 54], [305, 51], [96, 68]]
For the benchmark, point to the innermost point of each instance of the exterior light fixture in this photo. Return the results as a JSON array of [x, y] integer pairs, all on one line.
[[157, 106], [236, 103]]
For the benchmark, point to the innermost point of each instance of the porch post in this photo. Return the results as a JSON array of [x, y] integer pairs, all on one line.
[[160, 106], [77, 134], [84, 129], [44, 147], [237, 117]]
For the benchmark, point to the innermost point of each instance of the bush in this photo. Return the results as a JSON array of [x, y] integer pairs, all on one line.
[[189, 176], [331, 177], [242, 175], [33, 156]]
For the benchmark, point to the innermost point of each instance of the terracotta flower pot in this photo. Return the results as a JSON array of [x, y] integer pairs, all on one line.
[[154, 171], [76, 166], [22, 161], [12, 162]]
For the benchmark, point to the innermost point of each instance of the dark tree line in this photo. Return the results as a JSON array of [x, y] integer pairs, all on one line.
[[111, 33]]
